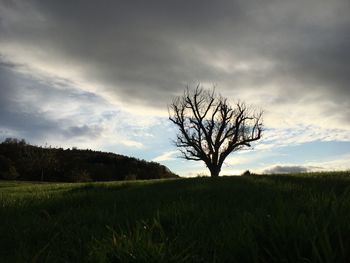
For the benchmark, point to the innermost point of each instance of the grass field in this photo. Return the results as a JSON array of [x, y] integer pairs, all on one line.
[[296, 218]]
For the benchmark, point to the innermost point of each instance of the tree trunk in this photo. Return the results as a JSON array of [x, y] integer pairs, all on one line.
[[215, 171]]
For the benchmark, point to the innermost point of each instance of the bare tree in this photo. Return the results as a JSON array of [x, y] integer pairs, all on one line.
[[209, 129]]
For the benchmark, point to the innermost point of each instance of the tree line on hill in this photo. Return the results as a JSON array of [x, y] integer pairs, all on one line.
[[22, 161]]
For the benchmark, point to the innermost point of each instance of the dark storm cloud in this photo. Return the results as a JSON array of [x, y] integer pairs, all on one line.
[[21, 101], [146, 51]]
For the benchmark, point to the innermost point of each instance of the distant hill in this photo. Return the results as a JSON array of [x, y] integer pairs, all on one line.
[[22, 161]]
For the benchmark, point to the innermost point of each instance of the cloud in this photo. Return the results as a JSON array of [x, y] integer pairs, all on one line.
[[279, 169], [337, 163], [135, 52], [274, 138], [334, 163], [44, 108], [78, 131], [167, 156]]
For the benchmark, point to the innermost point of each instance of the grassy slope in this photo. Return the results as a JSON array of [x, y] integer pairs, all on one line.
[[302, 218]]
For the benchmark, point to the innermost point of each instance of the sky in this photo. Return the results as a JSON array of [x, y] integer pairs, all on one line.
[[100, 74]]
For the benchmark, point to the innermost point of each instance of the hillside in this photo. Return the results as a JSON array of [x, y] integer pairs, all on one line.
[[296, 218], [22, 161]]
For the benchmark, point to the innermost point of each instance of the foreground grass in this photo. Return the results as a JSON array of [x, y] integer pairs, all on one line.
[[300, 218]]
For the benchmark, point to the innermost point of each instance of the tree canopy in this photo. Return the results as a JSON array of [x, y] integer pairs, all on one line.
[[209, 128]]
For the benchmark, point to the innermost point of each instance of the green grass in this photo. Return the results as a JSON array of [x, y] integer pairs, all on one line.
[[296, 218]]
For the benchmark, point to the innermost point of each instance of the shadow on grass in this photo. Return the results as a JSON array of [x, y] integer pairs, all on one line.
[[232, 219]]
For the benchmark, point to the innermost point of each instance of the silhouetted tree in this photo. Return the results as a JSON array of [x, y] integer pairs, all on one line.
[[10, 140], [209, 129], [7, 169]]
